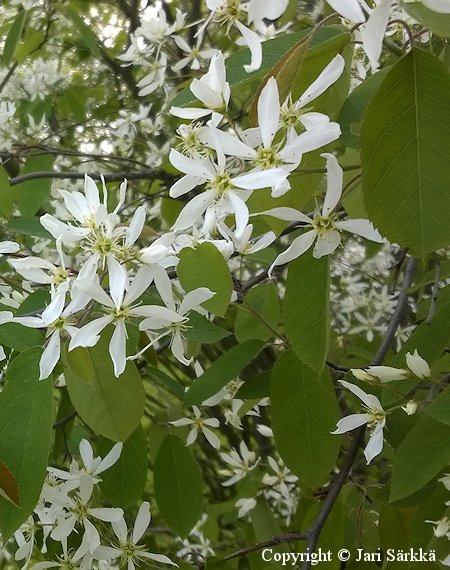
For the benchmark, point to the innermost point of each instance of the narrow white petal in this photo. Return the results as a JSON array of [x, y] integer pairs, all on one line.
[[310, 140], [362, 228], [212, 438], [287, 214], [86, 452], [50, 356], [88, 335], [269, 112], [240, 210], [194, 210], [349, 9], [136, 225], [369, 400], [142, 521], [190, 166], [350, 423], [184, 185], [110, 459], [253, 42], [117, 348], [189, 112], [296, 249], [327, 243], [375, 444], [335, 178], [328, 76], [372, 33], [260, 179], [118, 279], [194, 299]]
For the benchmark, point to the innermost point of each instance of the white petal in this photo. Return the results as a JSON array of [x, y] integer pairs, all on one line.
[[193, 210], [372, 33], [253, 42], [194, 299], [212, 438], [120, 529], [177, 349], [261, 243], [107, 515], [310, 140], [190, 166], [418, 366], [362, 228], [184, 185], [118, 279], [328, 76], [88, 334], [440, 6], [189, 112], [86, 452], [157, 558], [110, 459], [326, 243], [136, 226], [375, 444], [260, 179], [240, 210], [298, 247], [139, 285], [334, 184], [9, 247], [349, 9], [269, 112], [287, 214], [142, 521], [117, 348], [262, 9], [350, 423], [369, 400], [50, 356], [192, 436]]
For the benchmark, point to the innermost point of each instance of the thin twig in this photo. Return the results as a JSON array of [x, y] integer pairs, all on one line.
[[274, 541], [109, 177]]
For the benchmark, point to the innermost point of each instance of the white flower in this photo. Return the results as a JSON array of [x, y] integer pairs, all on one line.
[[442, 527], [240, 464], [375, 418], [418, 366], [212, 90], [199, 423], [119, 309], [325, 225], [128, 550], [410, 408], [92, 466], [245, 505], [175, 319], [383, 373]]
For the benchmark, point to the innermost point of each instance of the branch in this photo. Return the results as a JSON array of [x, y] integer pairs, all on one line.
[[398, 313], [274, 541], [110, 177]]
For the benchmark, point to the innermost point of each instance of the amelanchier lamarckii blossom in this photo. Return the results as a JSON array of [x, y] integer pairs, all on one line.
[[325, 226], [375, 418]]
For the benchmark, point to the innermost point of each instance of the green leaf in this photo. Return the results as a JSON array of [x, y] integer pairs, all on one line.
[[424, 452], [353, 109], [13, 37], [31, 42], [20, 338], [406, 154], [256, 387], [166, 381], [29, 227], [437, 23], [222, 371], [263, 301], [25, 435], [33, 193], [307, 309], [206, 267], [123, 484], [202, 330], [86, 33], [178, 485], [112, 407], [304, 411], [439, 409], [7, 194]]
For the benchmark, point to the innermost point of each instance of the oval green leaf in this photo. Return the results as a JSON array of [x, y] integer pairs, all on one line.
[[178, 485]]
